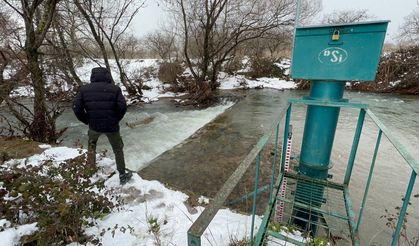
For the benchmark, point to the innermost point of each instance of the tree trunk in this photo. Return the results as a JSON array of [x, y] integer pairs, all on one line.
[[68, 57], [39, 129], [214, 75], [5, 87]]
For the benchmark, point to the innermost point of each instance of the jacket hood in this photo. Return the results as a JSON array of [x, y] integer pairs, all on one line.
[[100, 74]]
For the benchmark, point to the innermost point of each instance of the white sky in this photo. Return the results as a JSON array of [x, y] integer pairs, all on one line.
[[153, 15], [393, 10], [149, 18]]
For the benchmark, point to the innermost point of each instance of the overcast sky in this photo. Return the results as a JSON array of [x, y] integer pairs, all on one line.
[[393, 10], [153, 15]]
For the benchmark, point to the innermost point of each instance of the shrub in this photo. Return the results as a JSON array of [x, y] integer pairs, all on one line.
[[154, 228], [239, 242], [263, 67], [169, 72], [59, 197], [397, 73], [407, 236], [233, 65]]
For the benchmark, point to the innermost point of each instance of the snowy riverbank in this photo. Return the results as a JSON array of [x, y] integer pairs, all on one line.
[[144, 205], [147, 212], [147, 70], [142, 200]]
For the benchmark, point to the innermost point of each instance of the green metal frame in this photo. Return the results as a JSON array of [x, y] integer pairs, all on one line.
[[354, 221], [198, 227]]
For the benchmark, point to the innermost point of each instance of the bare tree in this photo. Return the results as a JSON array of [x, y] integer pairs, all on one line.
[[95, 31], [130, 47], [272, 46], [409, 31], [160, 43], [108, 20], [37, 17], [57, 49], [11, 49], [347, 16], [213, 29]]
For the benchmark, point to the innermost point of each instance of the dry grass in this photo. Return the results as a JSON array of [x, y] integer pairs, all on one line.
[[13, 147]]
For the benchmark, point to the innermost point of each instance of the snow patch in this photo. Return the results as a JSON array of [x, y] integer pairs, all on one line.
[[284, 65], [57, 155], [394, 83], [203, 200], [151, 204], [44, 146], [11, 236], [147, 203], [22, 91], [241, 82]]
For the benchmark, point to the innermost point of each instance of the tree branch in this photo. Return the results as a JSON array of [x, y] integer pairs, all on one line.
[[13, 7]]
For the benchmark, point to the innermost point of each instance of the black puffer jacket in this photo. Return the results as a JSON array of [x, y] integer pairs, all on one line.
[[100, 104]]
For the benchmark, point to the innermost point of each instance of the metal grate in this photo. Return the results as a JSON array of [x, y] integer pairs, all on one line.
[[319, 204]]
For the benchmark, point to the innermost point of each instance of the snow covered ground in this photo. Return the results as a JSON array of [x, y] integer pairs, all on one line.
[[147, 70], [143, 200], [241, 82], [135, 68]]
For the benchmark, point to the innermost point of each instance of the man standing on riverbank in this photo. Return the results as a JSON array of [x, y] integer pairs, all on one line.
[[102, 106]]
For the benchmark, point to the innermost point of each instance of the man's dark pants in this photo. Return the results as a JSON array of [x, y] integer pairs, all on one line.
[[117, 146]]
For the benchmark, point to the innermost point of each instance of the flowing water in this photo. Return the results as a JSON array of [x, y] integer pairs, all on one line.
[[203, 162], [154, 129]]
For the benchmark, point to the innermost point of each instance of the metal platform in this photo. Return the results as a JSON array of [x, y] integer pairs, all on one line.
[[333, 219], [330, 202]]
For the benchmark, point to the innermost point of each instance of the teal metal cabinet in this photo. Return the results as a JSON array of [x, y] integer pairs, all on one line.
[[342, 52], [329, 55]]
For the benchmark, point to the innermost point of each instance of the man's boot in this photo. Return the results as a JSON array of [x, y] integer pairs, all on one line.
[[125, 177]]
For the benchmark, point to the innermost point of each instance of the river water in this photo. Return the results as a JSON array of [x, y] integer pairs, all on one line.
[[201, 163]]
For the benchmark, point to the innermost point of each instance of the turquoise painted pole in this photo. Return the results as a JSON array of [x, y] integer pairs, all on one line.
[[254, 197], [320, 128], [403, 210], [319, 133]]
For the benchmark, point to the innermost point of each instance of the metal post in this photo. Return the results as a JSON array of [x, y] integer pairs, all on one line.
[[403, 210], [297, 14], [319, 134], [297, 19], [254, 197], [320, 128], [367, 186], [274, 166], [193, 240], [354, 149]]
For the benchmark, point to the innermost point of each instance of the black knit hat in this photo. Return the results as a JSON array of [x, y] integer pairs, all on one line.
[[100, 74]]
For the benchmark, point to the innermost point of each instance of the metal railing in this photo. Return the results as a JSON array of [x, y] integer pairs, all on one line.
[[199, 226], [410, 160]]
